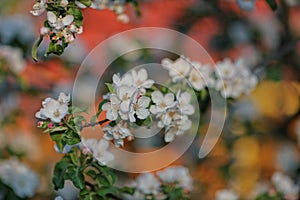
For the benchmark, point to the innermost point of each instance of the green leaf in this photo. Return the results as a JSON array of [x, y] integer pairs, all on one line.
[[55, 49], [87, 3], [59, 173], [127, 190], [58, 139], [58, 129], [35, 48], [92, 174], [110, 87], [76, 176], [104, 191], [272, 4], [71, 137], [100, 107], [74, 158]]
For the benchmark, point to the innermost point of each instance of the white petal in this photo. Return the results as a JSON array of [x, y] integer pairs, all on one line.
[[67, 20], [131, 117], [185, 97], [142, 75], [125, 106], [169, 99], [116, 79], [51, 17], [142, 113], [169, 136], [111, 115], [148, 83], [156, 109], [143, 102], [114, 99], [157, 97]]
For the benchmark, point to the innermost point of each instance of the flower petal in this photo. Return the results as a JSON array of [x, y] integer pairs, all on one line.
[[67, 20], [157, 97]]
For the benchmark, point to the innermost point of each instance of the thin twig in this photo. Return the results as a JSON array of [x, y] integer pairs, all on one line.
[[94, 124]]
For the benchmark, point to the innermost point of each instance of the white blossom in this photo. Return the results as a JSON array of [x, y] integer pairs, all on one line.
[[44, 31], [201, 76], [226, 195], [112, 107], [162, 102], [285, 185], [75, 29], [177, 175], [118, 6], [234, 79], [98, 149], [38, 8], [136, 79], [19, 177], [53, 109], [59, 22], [64, 3], [141, 81], [116, 133], [178, 126], [172, 114], [148, 184], [127, 101], [178, 69], [63, 98], [184, 105], [13, 58]]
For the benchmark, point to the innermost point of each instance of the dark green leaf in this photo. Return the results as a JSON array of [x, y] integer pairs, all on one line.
[[59, 173], [272, 4]]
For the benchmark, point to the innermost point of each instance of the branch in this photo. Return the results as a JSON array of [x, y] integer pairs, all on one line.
[[282, 51], [94, 124]]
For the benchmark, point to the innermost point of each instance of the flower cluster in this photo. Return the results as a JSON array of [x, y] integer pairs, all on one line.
[[65, 20], [232, 79], [19, 177], [55, 110], [173, 114], [156, 185], [127, 102]]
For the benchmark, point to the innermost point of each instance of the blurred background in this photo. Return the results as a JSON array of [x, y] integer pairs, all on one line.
[[262, 131]]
